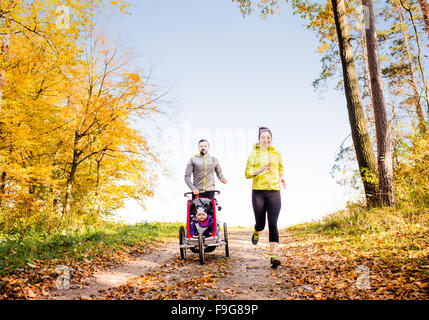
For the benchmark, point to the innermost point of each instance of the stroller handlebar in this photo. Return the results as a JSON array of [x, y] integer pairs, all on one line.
[[191, 193]]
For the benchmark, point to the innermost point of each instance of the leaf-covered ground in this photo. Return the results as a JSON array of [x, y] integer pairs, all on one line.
[[314, 267], [32, 266]]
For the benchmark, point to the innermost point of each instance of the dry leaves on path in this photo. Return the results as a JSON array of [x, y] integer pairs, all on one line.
[[315, 271]]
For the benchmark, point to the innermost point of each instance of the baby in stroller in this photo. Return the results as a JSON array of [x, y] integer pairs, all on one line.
[[202, 221]]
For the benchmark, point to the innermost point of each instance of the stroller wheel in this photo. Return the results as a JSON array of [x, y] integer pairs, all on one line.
[[182, 241], [225, 234], [201, 248]]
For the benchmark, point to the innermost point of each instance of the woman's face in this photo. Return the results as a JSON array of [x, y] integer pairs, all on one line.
[[265, 139]]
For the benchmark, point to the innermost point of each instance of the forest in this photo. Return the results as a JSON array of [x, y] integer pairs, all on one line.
[[70, 156]]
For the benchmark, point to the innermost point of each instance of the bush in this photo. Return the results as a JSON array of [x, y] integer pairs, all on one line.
[[411, 172]]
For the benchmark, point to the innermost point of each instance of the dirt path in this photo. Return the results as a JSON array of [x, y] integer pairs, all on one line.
[[309, 270], [161, 274], [118, 275]]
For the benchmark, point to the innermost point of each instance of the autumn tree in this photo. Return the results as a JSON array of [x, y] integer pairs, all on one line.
[[425, 11], [98, 113], [409, 9], [357, 120], [400, 58], [384, 155], [67, 141], [30, 111], [361, 139], [400, 72], [36, 48]]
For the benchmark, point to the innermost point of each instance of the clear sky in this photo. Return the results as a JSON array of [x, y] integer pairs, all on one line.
[[229, 75]]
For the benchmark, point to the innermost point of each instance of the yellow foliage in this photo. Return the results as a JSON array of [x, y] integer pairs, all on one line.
[[66, 136], [323, 47], [411, 172]]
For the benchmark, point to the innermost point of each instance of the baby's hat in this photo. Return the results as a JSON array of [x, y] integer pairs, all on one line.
[[201, 209]]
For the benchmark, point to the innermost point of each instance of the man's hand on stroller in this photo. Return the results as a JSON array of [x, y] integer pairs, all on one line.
[[195, 191]]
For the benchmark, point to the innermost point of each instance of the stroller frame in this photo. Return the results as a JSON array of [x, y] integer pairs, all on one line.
[[201, 244]]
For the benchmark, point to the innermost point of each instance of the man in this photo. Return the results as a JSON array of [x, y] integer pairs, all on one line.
[[202, 166]]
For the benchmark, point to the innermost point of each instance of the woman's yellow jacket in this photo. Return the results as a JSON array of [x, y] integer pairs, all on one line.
[[258, 157]]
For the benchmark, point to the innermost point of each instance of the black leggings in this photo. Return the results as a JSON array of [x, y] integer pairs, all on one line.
[[267, 201]]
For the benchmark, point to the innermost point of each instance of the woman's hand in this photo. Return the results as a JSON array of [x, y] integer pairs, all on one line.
[[223, 181], [262, 169], [282, 180], [267, 167]]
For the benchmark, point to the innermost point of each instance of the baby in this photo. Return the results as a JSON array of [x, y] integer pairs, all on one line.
[[203, 221]]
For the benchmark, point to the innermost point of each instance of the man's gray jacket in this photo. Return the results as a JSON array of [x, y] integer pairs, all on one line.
[[202, 168]]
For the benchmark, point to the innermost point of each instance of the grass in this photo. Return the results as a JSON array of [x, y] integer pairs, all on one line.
[[85, 242], [395, 235]]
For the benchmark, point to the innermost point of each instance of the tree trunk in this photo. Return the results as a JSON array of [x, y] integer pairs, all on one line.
[[4, 48], [419, 53], [70, 179], [361, 140], [97, 185], [69, 187], [2, 185], [425, 10], [369, 109], [419, 109], [385, 169]]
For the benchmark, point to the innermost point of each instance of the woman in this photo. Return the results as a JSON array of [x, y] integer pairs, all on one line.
[[265, 167]]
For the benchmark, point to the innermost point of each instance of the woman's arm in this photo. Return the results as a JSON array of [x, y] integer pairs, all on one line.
[[281, 173], [259, 171], [251, 170], [248, 173]]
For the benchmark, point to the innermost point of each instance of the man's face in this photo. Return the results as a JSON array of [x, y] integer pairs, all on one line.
[[203, 147]]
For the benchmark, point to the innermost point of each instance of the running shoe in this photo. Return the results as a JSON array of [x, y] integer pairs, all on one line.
[[275, 261], [255, 237]]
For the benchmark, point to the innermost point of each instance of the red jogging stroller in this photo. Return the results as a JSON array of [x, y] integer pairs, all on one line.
[[201, 243]]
